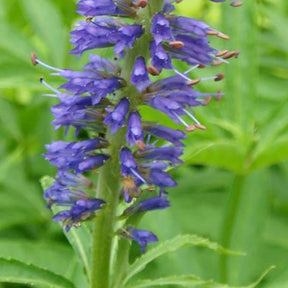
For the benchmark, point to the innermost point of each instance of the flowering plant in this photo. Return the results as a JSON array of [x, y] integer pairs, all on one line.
[[103, 103]]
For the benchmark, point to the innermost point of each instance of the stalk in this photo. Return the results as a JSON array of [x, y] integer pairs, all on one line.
[[109, 178], [108, 189]]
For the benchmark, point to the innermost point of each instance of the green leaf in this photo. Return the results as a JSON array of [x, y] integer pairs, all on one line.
[[48, 23], [14, 271], [47, 255], [81, 241], [46, 182], [170, 246], [190, 281]]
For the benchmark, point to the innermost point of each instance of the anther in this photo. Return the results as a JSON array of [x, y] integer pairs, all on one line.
[[193, 82], [217, 62], [201, 65], [218, 34], [219, 77], [153, 71], [89, 19], [140, 145], [176, 44], [142, 3], [34, 59], [219, 95], [200, 126], [221, 53], [49, 86], [190, 128], [207, 101], [211, 32], [236, 3], [191, 68], [223, 36], [231, 54]]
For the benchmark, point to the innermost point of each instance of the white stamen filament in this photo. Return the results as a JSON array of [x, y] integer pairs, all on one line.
[[191, 116], [49, 86], [48, 66], [191, 69], [180, 119], [138, 176], [182, 75]]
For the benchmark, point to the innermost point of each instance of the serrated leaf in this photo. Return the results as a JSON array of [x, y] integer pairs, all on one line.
[[173, 245], [190, 281], [51, 256], [14, 271]]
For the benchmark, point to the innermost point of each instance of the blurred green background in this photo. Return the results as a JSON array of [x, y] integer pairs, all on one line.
[[233, 188]]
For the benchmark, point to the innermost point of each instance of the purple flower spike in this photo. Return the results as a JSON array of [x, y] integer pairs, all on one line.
[[169, 134], [135, 133], [81, 210], [97, 8], [161, 29], [155, 203], [143, 237], [160, 58], [93, 102], [139, 76], [116, 118], [78, 156]]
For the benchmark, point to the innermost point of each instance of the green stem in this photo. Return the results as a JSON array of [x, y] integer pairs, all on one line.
[[108, 189], [230, 220], [109, 178], [122, 261]]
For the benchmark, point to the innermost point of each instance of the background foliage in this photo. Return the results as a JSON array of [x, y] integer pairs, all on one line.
[[233, 189]]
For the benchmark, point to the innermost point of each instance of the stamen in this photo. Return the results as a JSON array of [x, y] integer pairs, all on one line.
[[218, 34], [148, 139], [206, 101], [36, 61], [180, 119], [166, 145], [138, 176], [217, 62], [153, 71], [142, 3], [182, 75], [221, 53], [176, 44], [89, 19], [192, 68], [192, 116], [34, 58], [140, 145], [50, 95], [190, 128], [193, 82], [219, 95], [49, 86], [236, 3], [231, 54], [200, 126], [219, 77]]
